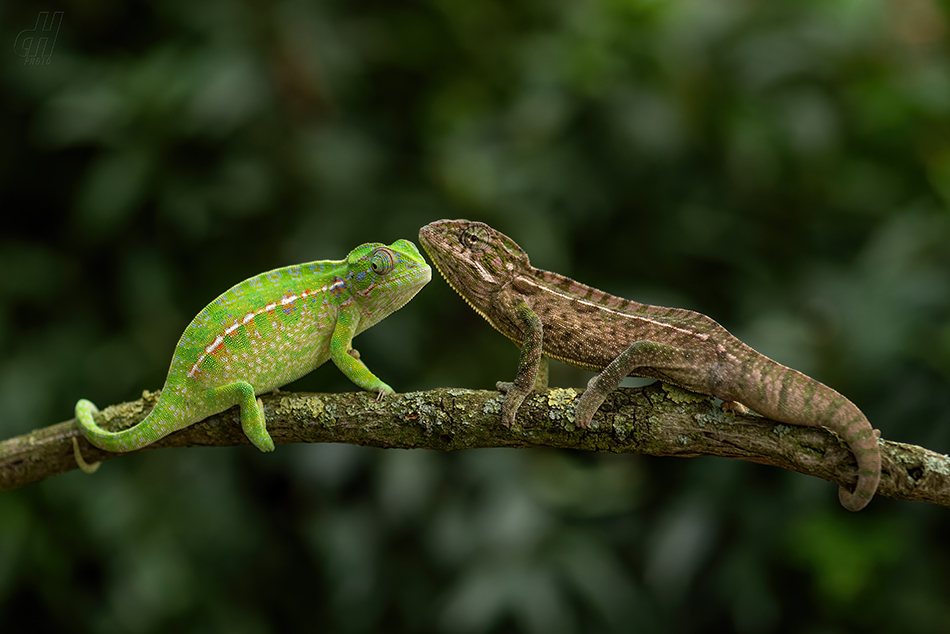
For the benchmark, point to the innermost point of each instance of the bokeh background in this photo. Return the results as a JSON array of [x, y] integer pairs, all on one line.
[[781, 165]]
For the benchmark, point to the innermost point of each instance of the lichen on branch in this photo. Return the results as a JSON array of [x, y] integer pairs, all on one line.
[[657, 420]]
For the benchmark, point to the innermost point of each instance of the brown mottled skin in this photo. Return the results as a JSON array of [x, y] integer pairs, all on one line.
[[548, 314]]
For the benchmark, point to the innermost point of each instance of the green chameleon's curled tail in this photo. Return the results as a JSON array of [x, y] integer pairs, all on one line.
[[115, 441]]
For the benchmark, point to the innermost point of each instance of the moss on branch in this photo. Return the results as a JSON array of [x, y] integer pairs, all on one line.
[[657, 420]]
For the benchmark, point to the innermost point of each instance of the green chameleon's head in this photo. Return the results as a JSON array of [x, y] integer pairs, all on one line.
[[475, 259], [384, 278]]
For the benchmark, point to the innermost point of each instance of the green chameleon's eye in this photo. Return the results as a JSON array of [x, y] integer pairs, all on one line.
[[474, 238], [382, 261]]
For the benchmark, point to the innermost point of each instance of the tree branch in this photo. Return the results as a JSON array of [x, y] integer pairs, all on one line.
[[658, 420]]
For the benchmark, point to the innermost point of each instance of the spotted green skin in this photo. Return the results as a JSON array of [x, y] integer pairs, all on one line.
[[268, 331]]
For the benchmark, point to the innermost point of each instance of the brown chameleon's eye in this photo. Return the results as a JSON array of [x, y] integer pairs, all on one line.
[[382, 261], [474, 238]]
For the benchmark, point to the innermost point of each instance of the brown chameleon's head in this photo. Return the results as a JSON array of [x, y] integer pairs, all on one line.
[[474, 259]]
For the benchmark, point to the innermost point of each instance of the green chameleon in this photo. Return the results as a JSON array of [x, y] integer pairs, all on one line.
[[268, 331], [547, 314]]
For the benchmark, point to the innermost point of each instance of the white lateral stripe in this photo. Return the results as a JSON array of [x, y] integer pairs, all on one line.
[[284, 301], [581, 300], [214, 344]]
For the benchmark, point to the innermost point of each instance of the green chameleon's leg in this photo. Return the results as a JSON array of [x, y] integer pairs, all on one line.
[[640, 354], [252, 411], [348, 360], [528, 366]]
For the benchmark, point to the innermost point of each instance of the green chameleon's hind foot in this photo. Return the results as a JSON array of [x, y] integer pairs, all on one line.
[[85, 466], [254, 427], [252, 411]]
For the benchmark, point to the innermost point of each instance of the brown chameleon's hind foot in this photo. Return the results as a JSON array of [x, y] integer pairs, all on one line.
[[734, 407]]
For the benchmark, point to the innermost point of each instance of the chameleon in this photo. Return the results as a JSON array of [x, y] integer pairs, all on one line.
[[550, 315], [267, 331]]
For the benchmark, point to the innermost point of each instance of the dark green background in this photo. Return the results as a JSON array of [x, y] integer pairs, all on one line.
[[783, 166]]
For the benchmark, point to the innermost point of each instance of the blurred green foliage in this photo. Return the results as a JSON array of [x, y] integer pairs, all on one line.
[[783, 166]]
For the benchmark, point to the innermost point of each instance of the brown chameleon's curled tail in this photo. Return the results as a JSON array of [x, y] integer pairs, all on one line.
[[863, 440], [788, 396]]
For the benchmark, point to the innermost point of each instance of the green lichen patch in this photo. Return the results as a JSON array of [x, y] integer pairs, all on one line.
[[941, 466], [712, 416], [559, 397], [623, 427], [309, 407], [125, 414], [781, 430], [493, 405], [560, 403], [151, 398]]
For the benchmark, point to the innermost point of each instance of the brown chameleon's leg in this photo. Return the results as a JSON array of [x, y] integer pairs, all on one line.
[[528, 366], [541, 382], [640, 354]]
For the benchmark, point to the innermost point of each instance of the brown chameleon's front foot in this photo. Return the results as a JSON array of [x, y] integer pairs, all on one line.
[[514, 397]]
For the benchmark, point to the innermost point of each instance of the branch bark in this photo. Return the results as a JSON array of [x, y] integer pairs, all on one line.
[[658, 420]]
